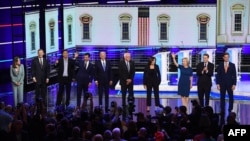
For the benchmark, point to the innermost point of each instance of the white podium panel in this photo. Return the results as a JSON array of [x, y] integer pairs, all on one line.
[[235, 57], [162, 59]]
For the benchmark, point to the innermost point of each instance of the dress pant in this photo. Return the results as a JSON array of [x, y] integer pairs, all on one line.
[[64, 82], [81, 87], [104, 88], [223, 90], [41, 92], [124, 89], [155, 87], [204, 90]]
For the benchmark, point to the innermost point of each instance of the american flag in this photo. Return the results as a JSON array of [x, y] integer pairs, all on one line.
[[143, 27]]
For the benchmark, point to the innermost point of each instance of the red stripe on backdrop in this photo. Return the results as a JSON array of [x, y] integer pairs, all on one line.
[[143, 31]]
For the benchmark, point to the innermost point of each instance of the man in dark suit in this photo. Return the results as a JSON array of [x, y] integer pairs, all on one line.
[[126, 74], [66, 74], [204, 71], [40, 75], [84, 76], [103, 78], [226, 82]]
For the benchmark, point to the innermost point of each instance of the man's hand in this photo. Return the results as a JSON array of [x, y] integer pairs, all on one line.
[[96, 82], [89, 84], [110, 83], [47, 80], [57, 61], [34, 79], [145, 87], [218, 86], [233, 87], [128, 81]]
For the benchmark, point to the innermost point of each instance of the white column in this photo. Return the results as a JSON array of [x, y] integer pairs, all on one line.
[[248, 36], [222, 9]]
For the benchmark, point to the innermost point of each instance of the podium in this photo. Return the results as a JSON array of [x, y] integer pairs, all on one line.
[[184, 54], [162, 60], [235, 57]]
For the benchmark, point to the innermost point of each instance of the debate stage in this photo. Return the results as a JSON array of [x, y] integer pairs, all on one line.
[[168, 96]]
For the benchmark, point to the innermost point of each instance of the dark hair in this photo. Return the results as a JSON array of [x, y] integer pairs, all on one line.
[[39, 50], [64, 50], [225, 54], [205, 54], [14, 65], [150, 60], [87, 54]]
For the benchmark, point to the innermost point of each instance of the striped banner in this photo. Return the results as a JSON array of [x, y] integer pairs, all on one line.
[[143, 31]]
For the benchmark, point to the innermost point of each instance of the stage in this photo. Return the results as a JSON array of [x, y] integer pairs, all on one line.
[[168, 96]]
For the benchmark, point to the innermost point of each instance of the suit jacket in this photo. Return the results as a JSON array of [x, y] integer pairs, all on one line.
[[71, 69], [40, 73], [204, 79], [84, 75], [17, 77], [228, 78], [101, 75], [146, 76], [124, 74]]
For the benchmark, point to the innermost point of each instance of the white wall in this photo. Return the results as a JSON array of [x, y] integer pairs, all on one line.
[[183, 28], [69, 11], [225, 18], [51, 14], [106, 25]]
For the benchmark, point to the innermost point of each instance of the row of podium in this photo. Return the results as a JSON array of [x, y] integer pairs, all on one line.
[[162, 59]]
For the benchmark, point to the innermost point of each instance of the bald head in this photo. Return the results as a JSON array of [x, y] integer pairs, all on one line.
[[127, 56]]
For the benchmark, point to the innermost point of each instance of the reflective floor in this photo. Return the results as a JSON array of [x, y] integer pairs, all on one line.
[[168, 97]]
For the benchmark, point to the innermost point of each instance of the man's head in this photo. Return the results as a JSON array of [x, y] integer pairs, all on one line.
[[226, 57], [127, 56], [65, 54], [40, 53], [86, 57], [103, 55], [205, 58]]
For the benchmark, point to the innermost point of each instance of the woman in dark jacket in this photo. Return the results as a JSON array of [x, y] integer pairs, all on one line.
[[152, 80]]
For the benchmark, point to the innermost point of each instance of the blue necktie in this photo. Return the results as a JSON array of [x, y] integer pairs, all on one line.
[[103, 65]]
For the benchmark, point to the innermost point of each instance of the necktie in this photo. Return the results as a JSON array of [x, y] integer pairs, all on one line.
[[85, 65], [226, 67], [128, 66], [103, 65], [41, 62]]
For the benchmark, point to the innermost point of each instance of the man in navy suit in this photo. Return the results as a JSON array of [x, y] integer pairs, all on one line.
[[40, 75], [126, 74], [204, 71], [103, 78], [66, 74], [84, 76], [226, 82]]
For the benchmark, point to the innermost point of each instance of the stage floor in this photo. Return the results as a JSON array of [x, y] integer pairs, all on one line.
[[168, 96]]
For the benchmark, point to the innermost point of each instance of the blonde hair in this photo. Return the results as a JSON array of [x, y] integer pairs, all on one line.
[[185, 58]]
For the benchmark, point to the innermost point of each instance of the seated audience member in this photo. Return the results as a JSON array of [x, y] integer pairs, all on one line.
[[116, 134], [97, 137]]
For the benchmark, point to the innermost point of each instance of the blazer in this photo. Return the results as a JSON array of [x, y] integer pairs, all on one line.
[[147, 80], [71, 69], [101, 75], [40, 73], [205, 78], [17, 77], [84, 75], [228, 78], [123, 72]]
